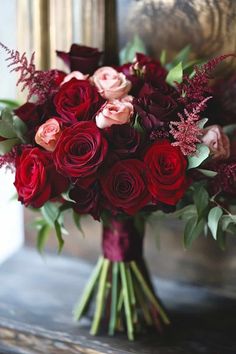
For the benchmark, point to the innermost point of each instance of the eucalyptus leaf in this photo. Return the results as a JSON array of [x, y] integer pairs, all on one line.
[[193, 229], [201, 155], [42, 237], [201, 200], [163, 57], [207, 173], [6, 130], [127, 54], [10, 103], [59, 236], [229, 129], [20, 128], [202, 122], [7, 145], [175, 75], [77, 218], [226, 220], [213, 220], [50, 212]]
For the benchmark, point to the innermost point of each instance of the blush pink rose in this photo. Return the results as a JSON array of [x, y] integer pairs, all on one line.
[[74, 75], [114, 112], [110, 83], [217, 141], [48, 134]]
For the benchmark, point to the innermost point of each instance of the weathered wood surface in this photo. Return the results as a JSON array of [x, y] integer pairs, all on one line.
[[37, 296]]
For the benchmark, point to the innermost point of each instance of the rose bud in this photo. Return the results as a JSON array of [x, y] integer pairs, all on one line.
[[82, 58], [110, 83], [48, 134], [217, 141], [74, 75], [114, 112]]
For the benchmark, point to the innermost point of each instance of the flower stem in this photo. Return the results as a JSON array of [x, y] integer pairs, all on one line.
[[80, 308], [114, 290], [150, 295], [100, 297], [128, 313]]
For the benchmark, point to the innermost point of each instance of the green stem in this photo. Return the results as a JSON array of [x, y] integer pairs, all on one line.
[[114, 290], [83, 302], [143, 304], [100, 297], [131, 292], [126, 302], [150, 295]]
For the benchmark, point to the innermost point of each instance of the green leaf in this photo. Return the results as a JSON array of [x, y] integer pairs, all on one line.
[[201, 200], [10, 103], [201, 155], [227, 220], [137, 125], [77, 218], [202, 122], [59, 236], [50, 212], [221, 239], [163, 57], [193, 229], [6, 124], [213, 220], [42, 236], [20, 128], [182, 56], [175, 75], [229, 129], [7, 145], [127, 54], [207, 173]]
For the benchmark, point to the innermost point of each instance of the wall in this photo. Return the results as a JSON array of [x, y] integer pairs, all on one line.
[[11, 212]]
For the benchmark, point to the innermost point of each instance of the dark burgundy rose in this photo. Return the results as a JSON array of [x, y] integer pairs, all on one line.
[[80, 151], [87, 200], [77, 100], [152, 69], [37, 180], [124, 140], [125, 186], [154, 110], [81, 58], [166, 172]]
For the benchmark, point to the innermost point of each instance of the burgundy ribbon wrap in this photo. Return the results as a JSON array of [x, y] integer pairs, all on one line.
[[121, 241]]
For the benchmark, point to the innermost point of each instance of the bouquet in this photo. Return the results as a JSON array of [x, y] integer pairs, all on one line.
[[123, 144]]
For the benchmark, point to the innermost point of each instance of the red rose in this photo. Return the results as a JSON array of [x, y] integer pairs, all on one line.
[[86, 200], [166, 172], [80, 151], [77, 100], [36, 179], [82, 58], [124, 186]]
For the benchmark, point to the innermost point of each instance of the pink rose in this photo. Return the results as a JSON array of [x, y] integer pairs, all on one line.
[[114, 112], [75, 75], [48, 134], [110, 83], [217, 141]]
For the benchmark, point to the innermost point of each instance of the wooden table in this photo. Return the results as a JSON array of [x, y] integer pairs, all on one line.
[[37, 297]]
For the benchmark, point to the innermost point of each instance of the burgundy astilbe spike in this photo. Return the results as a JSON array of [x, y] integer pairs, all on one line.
[[39, 83], [194, 90], [187, 132]]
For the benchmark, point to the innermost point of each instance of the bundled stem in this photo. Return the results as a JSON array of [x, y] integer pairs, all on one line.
[[128, 300]]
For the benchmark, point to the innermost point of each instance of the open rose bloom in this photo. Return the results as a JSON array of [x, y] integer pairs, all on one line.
[[121, 143], [95, 116]]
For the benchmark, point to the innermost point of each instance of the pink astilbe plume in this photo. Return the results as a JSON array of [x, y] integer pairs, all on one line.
[[39, 83], [194, 90], [187, 132]]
